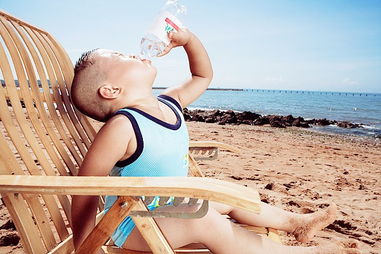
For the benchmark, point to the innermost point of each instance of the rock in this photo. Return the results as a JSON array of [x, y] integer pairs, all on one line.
[[322, 122], [8, 225], [277, 124], [276, 121], [287, 120], [348, 125], [236, 177], [9, 239], [247, 115], [304, 125], [269, 186], [222, 122], [229, 117], [210, 119], [230, 112], [299, 122], [186, 114], [248, 122], [251, 118], [216, 113], [197, 118], [261, 121]]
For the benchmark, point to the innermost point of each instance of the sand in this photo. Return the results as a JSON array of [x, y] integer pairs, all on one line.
[[299, 170]]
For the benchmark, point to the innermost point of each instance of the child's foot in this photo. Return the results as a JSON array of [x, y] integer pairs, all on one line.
[[342, 247], [310, 223]]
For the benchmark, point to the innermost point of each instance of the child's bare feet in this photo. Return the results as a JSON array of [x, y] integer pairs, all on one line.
[[309, 224], [342, 247]]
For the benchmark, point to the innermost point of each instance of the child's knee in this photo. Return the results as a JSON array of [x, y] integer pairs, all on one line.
[[221, 208], [213, 220], [196, 229]]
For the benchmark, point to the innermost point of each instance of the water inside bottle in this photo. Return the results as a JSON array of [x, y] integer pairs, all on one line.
[[156, 39], [151, 47]]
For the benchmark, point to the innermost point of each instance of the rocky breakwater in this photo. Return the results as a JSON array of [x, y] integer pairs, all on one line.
[[250, 118]]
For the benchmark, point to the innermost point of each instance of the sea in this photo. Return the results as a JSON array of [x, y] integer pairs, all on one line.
[[360, 108]]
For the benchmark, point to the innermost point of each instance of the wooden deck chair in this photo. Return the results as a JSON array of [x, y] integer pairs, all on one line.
[[43, 142]]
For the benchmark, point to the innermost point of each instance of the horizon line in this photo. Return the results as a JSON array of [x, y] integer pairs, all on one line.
[[2, 81], [281, 90]]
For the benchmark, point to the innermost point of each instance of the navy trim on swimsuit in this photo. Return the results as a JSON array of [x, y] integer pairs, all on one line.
[[175, 126], [139, 140], [169, 98]]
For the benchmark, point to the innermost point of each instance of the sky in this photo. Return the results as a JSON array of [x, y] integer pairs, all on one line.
[[318, 45]]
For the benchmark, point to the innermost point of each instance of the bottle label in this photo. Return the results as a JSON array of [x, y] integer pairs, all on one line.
[[165, 23]]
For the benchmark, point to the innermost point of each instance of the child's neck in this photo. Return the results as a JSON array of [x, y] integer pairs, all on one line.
[[145, 102], [141, 99]]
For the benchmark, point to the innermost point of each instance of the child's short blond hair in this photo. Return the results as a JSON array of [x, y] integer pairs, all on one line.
[[88, 78]]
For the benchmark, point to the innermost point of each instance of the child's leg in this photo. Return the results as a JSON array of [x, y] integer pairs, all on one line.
[[222, 237], [303, 226]]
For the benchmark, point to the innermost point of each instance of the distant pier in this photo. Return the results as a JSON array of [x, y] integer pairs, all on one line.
[[2, 83], [288, 91], [310, 92]]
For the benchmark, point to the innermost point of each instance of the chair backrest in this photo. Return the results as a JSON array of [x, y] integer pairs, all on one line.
[[41, 132]]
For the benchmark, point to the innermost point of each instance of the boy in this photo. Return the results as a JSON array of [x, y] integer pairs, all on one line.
[[146, 136]]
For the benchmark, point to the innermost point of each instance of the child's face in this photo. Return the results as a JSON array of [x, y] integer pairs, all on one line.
[[126, 71]]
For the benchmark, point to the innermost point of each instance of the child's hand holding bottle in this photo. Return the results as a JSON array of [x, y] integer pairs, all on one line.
[[179, 38], [157, 39]]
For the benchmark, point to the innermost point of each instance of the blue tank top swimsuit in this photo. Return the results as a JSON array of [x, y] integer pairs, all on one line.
[[162, 150]]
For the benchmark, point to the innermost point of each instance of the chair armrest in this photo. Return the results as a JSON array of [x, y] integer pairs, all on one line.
[[214, 144], [193, 187]]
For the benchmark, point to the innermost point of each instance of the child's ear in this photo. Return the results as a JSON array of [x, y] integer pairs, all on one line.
[[109, 91]]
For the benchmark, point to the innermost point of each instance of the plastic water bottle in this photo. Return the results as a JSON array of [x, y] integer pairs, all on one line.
[[156, 39]]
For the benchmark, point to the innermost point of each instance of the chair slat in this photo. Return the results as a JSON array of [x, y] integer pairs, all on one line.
[[5, 114], [67, 70], [56, 216], [65, 247], [33, 116], [64, 94], [41, 220], [57, 96], [50, 104], [23, 220], [7, 157], [12, 167], [28, 102], [37, 123]]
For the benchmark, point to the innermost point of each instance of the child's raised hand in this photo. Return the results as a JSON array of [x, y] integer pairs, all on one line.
[[179, 38]]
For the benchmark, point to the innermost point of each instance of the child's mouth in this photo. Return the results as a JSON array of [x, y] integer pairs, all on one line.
[[146, 61]]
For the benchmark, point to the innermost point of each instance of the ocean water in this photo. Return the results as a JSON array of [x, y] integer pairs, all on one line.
[[361, 108]]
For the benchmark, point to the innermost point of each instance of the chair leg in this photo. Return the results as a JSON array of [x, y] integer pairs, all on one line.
[[151, 232], [107, 225], [194, 169]]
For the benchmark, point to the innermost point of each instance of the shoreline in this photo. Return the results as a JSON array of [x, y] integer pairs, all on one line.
[[232, 117]]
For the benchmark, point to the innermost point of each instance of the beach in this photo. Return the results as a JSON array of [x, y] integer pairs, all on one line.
[[297, 169], [303, 171]]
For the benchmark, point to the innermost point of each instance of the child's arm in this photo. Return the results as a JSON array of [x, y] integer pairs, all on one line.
[[107, 148], [200, 67]]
